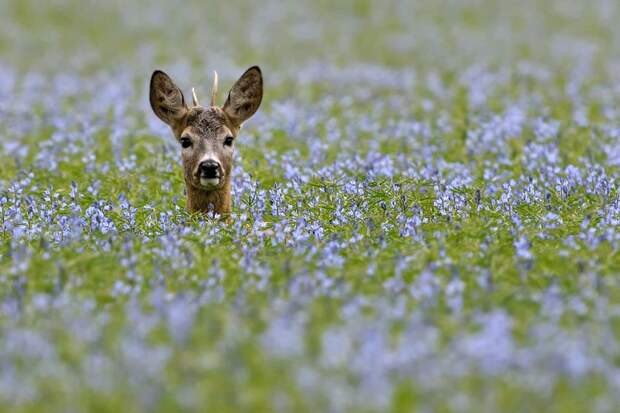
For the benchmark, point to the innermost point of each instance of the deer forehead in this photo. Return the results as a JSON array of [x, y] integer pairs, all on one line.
[[207, 122]]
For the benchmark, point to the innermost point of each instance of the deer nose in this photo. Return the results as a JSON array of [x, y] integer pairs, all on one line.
[[209, 168]]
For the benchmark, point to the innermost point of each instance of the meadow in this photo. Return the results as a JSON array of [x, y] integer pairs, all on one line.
[[425, 209]]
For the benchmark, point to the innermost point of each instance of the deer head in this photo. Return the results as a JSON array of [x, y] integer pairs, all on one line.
[[207, 135]]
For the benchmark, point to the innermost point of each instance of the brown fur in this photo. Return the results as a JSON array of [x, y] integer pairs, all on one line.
[[207, 129]]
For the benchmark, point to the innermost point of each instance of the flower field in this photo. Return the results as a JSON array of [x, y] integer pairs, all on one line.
[[426, 209]]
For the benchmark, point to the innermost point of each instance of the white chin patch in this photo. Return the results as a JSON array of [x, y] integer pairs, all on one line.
[[209, 181]]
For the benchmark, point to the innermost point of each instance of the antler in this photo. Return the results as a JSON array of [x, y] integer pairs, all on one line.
[[213, 92], [214, 88], [194, 98]]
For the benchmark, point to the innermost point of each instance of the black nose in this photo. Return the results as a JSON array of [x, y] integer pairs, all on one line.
[[209, 169]]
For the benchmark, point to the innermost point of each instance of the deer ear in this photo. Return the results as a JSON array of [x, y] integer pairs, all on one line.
[[166, 98], [245, 96]]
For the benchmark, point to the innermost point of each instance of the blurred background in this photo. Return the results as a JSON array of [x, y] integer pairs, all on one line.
[[68, 35]]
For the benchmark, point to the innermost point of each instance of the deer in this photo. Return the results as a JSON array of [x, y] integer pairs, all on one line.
[[207, 135]]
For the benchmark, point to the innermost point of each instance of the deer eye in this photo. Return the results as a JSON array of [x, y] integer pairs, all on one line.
[[186, 142], [228, 141]]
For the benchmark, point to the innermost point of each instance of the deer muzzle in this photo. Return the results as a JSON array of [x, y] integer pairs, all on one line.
[[210, 172]]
